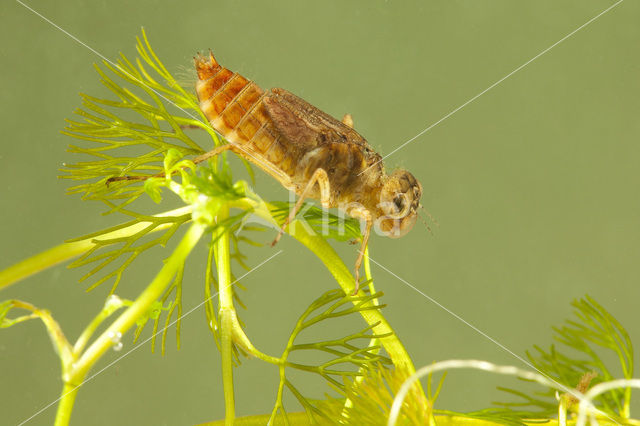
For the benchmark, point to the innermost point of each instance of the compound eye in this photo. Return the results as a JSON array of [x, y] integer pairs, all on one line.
[[399, 202], [401, 205]]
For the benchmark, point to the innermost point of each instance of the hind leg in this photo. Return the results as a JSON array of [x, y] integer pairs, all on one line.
[[216, 151]]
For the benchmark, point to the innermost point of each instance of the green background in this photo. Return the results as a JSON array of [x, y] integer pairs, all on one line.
[[534, 184]]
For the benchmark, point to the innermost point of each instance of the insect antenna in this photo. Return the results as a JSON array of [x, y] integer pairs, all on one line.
[[431, 218]]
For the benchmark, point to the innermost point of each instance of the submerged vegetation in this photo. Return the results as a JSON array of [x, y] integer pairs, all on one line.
[[144, 131]]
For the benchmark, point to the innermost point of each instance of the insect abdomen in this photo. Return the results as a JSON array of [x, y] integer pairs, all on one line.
[[234, 107]]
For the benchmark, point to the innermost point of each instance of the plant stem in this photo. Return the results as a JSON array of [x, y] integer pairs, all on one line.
[[112, 305], [374, 341], [302, 419], [319, 246], [230, 329], [60, 342], [341, 273], [242, 340], [74, 377], [67, 398], [67, 251], [42, 261], [226, 342], [226, 314]]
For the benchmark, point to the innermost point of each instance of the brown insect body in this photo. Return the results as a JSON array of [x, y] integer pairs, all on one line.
[[290, 139], [299, 145]]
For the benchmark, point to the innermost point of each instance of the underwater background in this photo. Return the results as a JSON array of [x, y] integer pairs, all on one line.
[[534, 184]]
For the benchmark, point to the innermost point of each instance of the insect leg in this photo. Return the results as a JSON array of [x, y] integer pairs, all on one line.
[[362, 214], [319, 176], [215, 151]]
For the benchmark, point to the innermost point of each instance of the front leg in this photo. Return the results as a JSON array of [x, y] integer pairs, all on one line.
[[320, 176], [361, 213]]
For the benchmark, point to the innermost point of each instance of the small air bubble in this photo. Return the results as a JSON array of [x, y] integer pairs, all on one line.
[[115, 337], [112, 301]]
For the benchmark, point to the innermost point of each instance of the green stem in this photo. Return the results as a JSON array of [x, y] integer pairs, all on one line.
[[242, 340], [226, 314], [340, 272], [67, 251], [319, 246], [42, 261], [302, 419], [226, 341], [60, 342], [374, 341], [112, 305], [67, 398], [230, 328], [140, 307], [626, 409]]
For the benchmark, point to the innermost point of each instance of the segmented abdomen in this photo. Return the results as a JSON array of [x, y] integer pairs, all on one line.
[[234, 107]]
